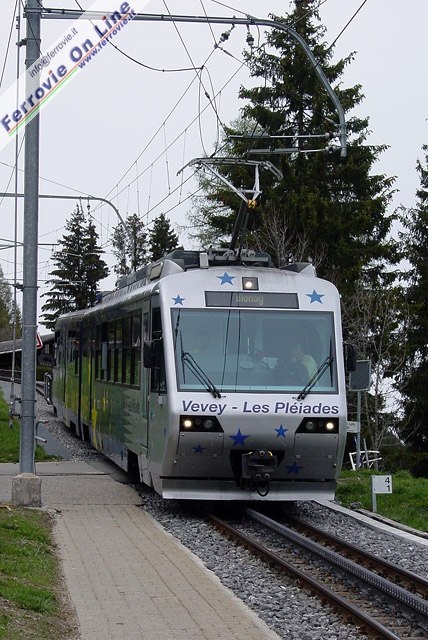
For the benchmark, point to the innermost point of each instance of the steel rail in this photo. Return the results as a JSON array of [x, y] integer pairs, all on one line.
[[360, 617], [401, 572], [414, 603]]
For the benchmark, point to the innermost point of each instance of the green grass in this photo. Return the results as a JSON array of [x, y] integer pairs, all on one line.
[[10, 436], [30, 580], [407, 504]]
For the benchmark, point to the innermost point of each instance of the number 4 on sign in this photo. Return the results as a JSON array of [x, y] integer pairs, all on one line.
[[39, 343]]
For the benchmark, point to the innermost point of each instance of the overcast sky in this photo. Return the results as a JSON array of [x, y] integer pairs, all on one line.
[[96, 134]]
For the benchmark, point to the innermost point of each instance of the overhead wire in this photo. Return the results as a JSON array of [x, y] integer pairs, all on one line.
[[227, 6], [58, 184], [178, 135], [8, 43], [176, 105], [158, 130], [347, 24], [337, 37], [209, 24], [132, 59], [201, 84]]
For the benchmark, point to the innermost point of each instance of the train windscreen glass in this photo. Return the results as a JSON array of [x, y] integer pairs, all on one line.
[[238, 350]]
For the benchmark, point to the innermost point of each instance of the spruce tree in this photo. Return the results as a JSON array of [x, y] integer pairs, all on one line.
[[325, 210], [413, 382], [78, 269], [162, 239], [129, 245]]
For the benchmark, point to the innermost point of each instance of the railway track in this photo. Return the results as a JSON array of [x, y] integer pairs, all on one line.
[[378, 597]]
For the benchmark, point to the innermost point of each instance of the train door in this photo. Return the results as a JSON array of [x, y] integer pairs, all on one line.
[[58, 383], [145, 378], [157, 401], [86, 382]]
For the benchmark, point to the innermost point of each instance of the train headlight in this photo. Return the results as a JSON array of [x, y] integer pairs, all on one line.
[[318, 425], [200, 424], [250, 284]]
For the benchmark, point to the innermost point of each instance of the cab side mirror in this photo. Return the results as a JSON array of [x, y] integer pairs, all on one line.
[[152, 353], [349, 357], [149, 354]]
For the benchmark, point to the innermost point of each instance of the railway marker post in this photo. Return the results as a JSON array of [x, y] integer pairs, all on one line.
[[380, 484]]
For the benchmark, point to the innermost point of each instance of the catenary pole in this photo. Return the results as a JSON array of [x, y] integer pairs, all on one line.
[[30, 241], [62, 197]]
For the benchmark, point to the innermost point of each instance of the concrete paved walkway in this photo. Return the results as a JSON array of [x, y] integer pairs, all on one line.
[[127, 578]]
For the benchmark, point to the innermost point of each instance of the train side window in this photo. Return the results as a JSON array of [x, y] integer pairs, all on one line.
[[76, 356], [118, 351], [73, 351], [158, 374], [98, 351], [101, 344], [125, 372], [59, 350], [110, 350], [70, 347], [136, 350]]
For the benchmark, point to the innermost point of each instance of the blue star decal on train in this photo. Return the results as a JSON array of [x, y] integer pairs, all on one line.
[[178, 300], [281, 431], [226, 278], [315, 297], [294, 468], [199, 449], [239, 438]]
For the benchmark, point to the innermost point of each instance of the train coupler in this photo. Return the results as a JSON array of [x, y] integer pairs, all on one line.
[[258, 467]]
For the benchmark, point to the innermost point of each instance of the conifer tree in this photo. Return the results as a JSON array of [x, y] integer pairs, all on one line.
[[78, 269], [162, 238], [330, 211], [325, 210], [129, 245], [8, 311], [413, 382]]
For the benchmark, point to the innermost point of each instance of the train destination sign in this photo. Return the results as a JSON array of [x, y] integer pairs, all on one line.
[[251, 299]]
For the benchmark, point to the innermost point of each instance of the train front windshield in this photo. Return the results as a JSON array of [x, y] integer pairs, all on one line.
[[254, 350]]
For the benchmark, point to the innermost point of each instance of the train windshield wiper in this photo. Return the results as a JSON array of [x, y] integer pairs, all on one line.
[[199, 373], [314, 379]]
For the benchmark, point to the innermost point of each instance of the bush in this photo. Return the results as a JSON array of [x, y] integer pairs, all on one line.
[[419, 468], [41, 370]]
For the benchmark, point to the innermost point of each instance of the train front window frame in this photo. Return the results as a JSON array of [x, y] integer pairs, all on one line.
[[254, 350]]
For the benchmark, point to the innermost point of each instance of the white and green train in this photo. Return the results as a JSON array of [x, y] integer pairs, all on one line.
[[211, 377]]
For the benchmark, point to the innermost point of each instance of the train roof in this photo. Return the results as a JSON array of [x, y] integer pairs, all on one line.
[[147, 277], [185, 260]]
